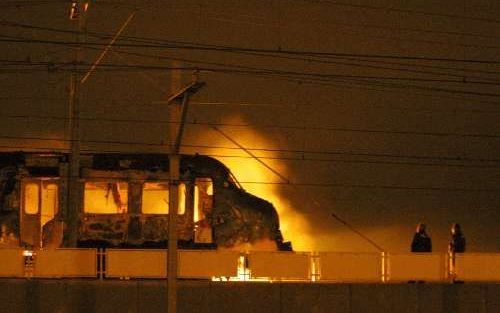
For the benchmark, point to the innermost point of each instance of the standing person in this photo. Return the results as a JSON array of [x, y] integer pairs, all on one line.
[[421, 243], [421, 240], [457, 241], [456, 245]]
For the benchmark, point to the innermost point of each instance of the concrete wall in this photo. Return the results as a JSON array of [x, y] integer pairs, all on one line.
[[202, 296]]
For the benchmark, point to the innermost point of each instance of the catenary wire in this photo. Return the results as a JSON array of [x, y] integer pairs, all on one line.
[[151, 40], [252, 125], [270, 150]]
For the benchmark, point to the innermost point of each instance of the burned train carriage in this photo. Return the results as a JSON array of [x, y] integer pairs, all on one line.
[[123, 202]]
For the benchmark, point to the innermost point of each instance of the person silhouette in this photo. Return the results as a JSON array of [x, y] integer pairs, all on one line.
[[421, 240], [421, 243], [457, 241], [456, 245]]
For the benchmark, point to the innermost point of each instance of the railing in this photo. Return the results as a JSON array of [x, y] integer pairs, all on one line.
[[252, 266]]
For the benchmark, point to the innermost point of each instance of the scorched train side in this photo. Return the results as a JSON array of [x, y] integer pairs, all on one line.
[[123, 202]]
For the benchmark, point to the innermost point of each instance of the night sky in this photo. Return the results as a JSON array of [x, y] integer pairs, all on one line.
[[385, 113]]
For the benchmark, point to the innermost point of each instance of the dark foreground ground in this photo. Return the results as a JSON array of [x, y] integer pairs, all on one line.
[[19, 295]]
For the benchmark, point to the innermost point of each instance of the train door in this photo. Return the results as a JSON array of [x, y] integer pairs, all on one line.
[[39, 206], [203, 203]]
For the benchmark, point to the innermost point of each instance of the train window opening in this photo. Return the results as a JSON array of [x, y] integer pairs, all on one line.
[[155, 198], [31, 198], [105, 197], [203, 198], [182, 199], [203, 203]]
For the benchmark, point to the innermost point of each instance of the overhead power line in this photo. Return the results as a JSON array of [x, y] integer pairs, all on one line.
[[376, 186], [401, 10], [136, 39], [333, 83], [314, 77], [253, 125], [122, 103], [383, 9], [237, 49], [21, 4], [302, 152], [292, 183], [462, 79]]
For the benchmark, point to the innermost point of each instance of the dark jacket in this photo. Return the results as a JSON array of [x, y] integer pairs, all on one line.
[[421, 243], [457, 243]]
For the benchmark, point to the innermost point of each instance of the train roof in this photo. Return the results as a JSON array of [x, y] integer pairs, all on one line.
[[117, 161]]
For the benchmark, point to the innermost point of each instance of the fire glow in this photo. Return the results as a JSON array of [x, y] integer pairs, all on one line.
[[257, 176]]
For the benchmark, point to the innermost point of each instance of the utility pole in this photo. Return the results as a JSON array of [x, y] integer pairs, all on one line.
[[173, 200], [177, 112], [78, 12]]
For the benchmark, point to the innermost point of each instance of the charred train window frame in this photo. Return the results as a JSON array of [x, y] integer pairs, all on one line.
[[183, 191], [147, 211], [109, 194]]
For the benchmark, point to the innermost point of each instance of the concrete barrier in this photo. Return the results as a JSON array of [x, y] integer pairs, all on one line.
[[280, 265], [207, 264], [416, 266], [66, 263], [350, 267], [477, 266], [67, 296], [12, 263], [142, 263]]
